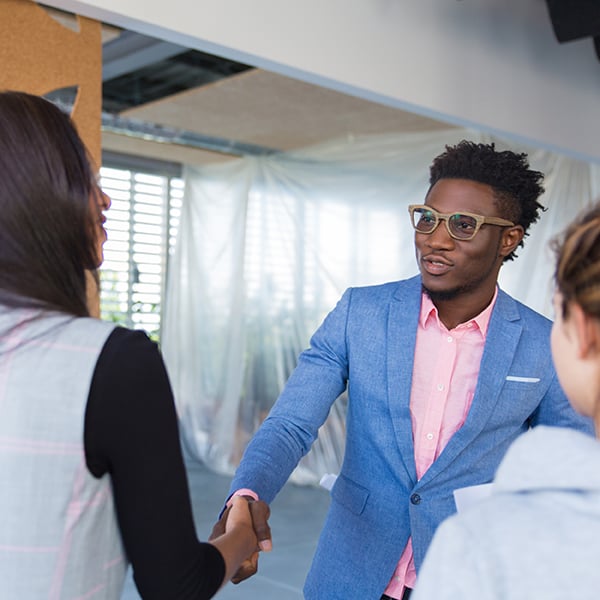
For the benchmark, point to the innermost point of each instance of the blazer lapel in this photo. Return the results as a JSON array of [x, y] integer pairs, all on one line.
[[401, 335]]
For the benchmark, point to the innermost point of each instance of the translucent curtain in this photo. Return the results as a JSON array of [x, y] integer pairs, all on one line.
[[569, 188], [268, 244], [203, 335]]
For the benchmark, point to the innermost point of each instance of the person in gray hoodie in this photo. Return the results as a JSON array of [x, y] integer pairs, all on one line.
[[538, 534]]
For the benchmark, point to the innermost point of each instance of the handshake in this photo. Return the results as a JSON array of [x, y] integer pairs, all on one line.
[[243, 519]]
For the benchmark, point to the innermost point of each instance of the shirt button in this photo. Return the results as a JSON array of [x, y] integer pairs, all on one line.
[[440, 387], [449, 339], [429, 436], [415, 499]]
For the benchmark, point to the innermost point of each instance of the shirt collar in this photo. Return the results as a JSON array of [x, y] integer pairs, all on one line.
[[482, 320]]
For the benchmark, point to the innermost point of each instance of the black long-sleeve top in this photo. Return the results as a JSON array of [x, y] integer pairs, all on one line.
[[131, 432]]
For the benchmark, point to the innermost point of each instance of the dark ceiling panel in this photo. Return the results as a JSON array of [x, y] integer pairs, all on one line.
[[138, 69]]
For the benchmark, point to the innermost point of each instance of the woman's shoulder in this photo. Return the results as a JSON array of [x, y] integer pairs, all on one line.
[[122, 342]]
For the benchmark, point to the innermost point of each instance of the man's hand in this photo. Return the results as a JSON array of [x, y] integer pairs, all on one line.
[[260, 513]]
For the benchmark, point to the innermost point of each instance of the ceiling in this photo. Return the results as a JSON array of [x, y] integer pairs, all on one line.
[[210, 108], [166, 101]]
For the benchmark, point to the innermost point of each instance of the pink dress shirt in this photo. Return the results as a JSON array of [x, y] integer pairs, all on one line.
[[445, 373]]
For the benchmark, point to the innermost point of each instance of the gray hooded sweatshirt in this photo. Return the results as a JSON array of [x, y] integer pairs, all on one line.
[[536, 537]]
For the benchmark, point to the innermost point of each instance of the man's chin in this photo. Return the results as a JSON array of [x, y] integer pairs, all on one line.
[[441, 295]]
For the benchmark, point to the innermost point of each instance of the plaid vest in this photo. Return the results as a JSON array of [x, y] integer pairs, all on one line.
[[59, 536]]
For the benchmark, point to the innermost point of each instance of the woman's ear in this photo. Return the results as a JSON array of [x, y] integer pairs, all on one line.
[[587, 330], [511, 238]]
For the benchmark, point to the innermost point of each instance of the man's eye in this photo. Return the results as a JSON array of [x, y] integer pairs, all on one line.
[[464, 223]]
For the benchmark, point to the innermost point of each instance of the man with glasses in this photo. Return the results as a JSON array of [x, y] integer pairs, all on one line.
[[443, 372]]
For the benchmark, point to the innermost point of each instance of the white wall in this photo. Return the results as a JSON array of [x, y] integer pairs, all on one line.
[[489, 64]]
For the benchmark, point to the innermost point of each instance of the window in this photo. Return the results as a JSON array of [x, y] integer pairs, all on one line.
[[142, 226]]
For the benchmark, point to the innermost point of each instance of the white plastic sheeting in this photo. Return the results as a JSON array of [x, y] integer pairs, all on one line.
[[268, 244]]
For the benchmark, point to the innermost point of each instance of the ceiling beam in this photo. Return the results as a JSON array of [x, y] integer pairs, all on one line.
[[158, 133]]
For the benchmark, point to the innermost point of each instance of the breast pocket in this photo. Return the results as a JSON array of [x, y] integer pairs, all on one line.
[[521, 395]]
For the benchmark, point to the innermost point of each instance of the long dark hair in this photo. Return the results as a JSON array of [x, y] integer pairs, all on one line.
[[47, 234]]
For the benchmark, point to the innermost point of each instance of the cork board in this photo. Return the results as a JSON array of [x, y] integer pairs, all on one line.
[[39, 55]]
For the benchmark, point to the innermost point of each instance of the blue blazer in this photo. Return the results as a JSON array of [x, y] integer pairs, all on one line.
[[367, 343]]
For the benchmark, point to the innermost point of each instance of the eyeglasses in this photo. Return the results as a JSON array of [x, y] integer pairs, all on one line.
[[460, 226]]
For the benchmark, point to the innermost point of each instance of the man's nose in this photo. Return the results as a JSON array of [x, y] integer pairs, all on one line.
[[440, 237]]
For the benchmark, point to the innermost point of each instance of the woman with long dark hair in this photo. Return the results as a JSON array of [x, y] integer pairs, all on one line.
[[91, 472]]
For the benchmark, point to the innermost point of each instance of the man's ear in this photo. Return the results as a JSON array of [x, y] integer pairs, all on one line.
[[511, 238], [587, 330]]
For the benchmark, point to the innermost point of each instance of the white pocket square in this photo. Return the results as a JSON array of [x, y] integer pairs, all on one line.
[[522, 379]]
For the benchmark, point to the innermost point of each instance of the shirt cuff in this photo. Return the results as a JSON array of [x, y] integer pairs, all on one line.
[[243, 492]]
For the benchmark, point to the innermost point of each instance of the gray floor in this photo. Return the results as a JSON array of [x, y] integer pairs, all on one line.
[[296, 518]]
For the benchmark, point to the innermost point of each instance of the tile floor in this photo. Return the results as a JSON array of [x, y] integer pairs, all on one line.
[[297, 515]]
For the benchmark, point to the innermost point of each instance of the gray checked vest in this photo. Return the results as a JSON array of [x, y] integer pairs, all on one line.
[[59, 537]]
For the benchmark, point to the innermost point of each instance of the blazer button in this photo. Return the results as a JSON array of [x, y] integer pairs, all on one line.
[[415, 499]]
